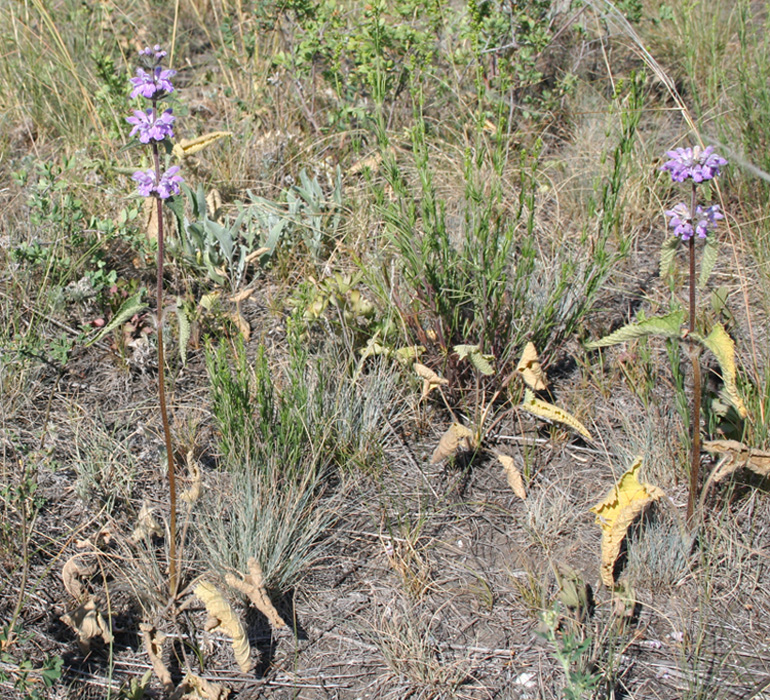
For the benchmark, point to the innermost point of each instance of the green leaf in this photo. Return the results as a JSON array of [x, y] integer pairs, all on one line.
[[131, 306], [723, 348], [668, 326], [667, 254], [185, 328], [708, 260], [483, 363]]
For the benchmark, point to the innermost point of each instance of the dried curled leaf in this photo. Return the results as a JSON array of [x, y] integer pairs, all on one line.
[[193, 493], [213, 205], [146, 525], [530, 370], [456, 438], [409, 353], [513, 475], [71, 573], [196, 688], [186, 147], [723, 347], [222, 616], [543, 409], [240, 322], [253, 586], [737, 455], [430, 380], [622, 505], [88, 622], [153, 645]]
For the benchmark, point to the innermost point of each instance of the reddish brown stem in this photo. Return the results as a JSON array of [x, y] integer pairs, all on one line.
[[696, 380], [172, 568]]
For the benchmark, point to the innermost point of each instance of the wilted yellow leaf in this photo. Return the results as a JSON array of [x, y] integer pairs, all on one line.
[[146, 525], [186, 147], [150, 218], [430, 380], [409, 353], [242, 295], [153, 645], [623, 504], [457, 437], [221, 615], [253, 586], [196, 688], [193, 493], [737, 455], [723, 347], [513, 475], [72, 572], [88, 622], [214, 204], [530, 370], [241, 324], [543, 409]]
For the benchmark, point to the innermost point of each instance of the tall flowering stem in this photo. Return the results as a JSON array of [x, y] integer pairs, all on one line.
[[154, 84], [697, 165]]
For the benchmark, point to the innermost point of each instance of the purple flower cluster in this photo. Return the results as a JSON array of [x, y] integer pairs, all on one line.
[[168, 185], [151, 125], [682, 220], [696, 163]]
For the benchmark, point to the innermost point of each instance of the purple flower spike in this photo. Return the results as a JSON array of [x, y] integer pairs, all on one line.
[[152, 129], [155, 52], [152, 85], [167, 187], [682, 221], [698, 164]]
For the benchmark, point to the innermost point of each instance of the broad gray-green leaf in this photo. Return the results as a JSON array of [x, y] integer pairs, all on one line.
[[483, 363], [131, 306], [667, 253], [708, 260], [668, 326], [183, 320]]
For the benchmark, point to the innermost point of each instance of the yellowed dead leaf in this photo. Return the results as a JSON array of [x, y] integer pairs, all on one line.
[[430, 380], [253, 586], [150, 217], [241, 324], [258, 253], [196, 688], [723, 347], [186, 147], [88, 623], [456, 438], [371, 162], [409, 353], [221, 615], [513, 475], [214, 204], [622, 505], [530, 370], [71, 573], [546, 410], [737, 455], [193, 493], [153, 645], [146, 525], [242, 295]]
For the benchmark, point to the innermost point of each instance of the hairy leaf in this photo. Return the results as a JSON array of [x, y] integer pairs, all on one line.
[[668, 326], [193, 493], [622, 505], [667, 255], [530, 370], [88, 622], [542, 409], [707, 260], [196, 688], [130, 307], [185, 329], [222, 616], [456, 438], [146, 525], [723, 347], [72, 572], [153, 645]]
